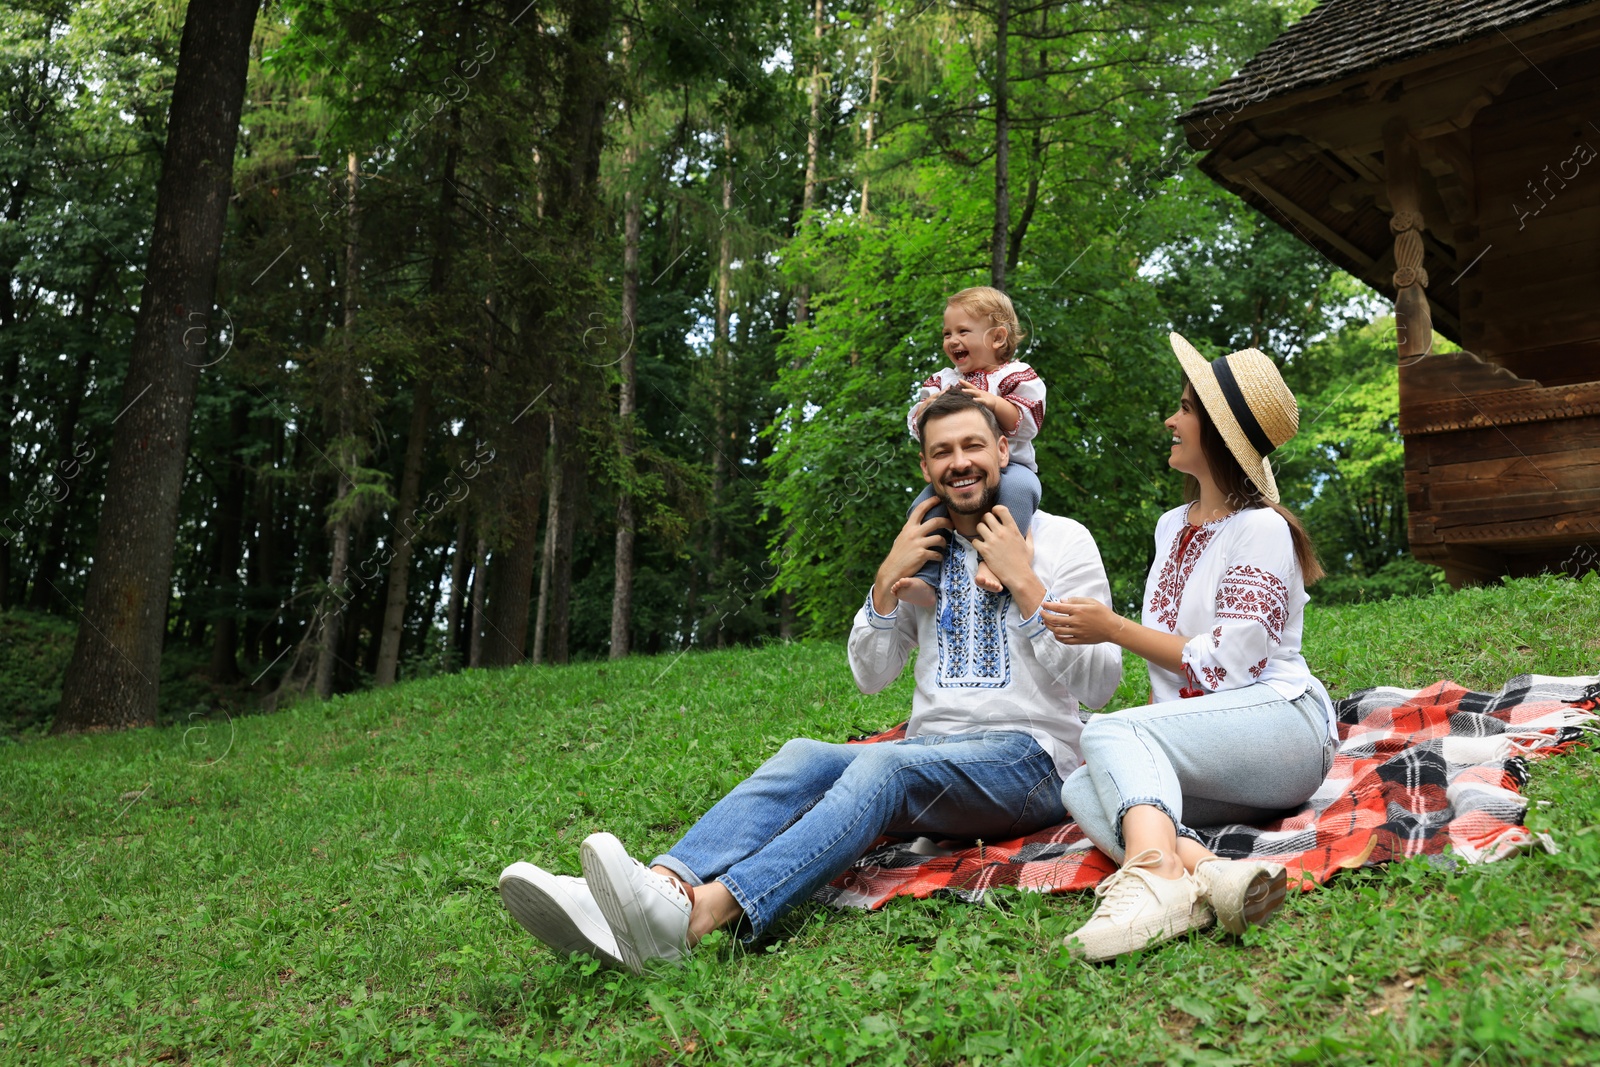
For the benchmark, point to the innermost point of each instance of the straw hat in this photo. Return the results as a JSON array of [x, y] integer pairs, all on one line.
[[1248, 402]]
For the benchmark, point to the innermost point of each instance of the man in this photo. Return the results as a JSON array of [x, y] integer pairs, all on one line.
[[993, 731]]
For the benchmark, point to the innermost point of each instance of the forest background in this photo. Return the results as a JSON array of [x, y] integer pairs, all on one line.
[[573, 328]]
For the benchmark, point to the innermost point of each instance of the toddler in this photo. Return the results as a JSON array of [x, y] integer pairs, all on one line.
[[981, 334]]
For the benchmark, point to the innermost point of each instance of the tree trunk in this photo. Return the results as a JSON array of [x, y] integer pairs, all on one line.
[[1002, 148], [336, 605], [872, 118], [230, 551], [339, 572], [802, 310], [21, 189], [394, 612], [405, 532], [1030, 203], [622, 568], [8, 414], [263, 565], [480, 585], [557, 648], [116, 663], [720, 361], [53, 554], [568, 189], [802, 303], [458, 575], [547, 563], [441, 567], [505, 630]]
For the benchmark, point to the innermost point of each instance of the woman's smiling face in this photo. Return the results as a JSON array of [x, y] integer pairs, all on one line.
[[1187, 455]]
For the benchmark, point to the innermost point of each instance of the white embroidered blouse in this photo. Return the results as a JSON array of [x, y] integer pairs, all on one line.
[[1015, 381], [1233, 587]]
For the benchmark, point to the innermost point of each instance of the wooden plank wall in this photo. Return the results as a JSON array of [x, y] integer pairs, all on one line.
[[1509, 481], [1532, 302]]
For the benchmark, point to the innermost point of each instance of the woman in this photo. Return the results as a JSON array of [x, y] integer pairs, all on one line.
[[1238, 729]]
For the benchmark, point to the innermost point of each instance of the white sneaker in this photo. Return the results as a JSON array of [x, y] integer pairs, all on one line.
[[648, 912], [1138, 909], [559, 910], [1242, 892]]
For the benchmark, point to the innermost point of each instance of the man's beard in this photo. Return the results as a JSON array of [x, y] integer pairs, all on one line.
[[986, 503]]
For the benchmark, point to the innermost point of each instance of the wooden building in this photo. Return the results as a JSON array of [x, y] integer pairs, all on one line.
[[1448, 154]]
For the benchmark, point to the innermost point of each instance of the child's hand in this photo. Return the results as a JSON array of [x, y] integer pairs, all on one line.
[[981, 396], [1005, 412]]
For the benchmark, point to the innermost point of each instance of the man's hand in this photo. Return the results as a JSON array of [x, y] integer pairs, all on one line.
[[1010, 556], [917, 543], [1082, 620]]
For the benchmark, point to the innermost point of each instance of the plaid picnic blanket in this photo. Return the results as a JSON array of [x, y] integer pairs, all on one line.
[[1417, 772]]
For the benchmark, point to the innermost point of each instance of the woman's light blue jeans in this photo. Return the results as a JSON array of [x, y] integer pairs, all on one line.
[[813, 809], [1238, 756]]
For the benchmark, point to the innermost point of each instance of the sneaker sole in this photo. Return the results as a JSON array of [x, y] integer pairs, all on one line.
[[1265, 896], [533, 898], [1146, 936], [601, 854]]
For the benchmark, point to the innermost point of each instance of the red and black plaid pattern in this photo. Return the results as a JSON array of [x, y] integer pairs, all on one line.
[[1417, 773]]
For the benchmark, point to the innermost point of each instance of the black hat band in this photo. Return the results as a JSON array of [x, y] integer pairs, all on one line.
[[1241, 411]]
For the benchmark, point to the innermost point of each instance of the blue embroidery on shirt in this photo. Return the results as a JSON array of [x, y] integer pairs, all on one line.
[[973, 650]]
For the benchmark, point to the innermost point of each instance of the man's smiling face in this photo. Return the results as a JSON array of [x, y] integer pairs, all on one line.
[[961, 460]]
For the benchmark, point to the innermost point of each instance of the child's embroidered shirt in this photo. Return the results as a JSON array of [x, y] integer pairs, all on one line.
[[1014, 381]]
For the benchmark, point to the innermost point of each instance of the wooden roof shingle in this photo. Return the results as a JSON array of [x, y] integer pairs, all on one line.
[[1339, 38]]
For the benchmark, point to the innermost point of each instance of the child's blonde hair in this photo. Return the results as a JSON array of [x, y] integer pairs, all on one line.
[[994, 307]]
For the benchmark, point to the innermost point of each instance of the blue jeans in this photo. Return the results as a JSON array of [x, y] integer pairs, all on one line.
[[1019, 494], [815, 808], [1238, 756]]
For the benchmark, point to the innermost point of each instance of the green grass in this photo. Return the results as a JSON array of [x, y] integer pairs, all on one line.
[[318, 885]]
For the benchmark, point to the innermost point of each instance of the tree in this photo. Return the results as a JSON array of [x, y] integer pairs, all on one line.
[[114, 676]]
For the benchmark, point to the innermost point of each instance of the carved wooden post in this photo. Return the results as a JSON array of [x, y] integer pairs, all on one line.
[[1413, 321]]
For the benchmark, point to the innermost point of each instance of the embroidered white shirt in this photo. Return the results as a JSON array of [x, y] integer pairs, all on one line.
[[1235, 591], [980, 664], [1016, 382]]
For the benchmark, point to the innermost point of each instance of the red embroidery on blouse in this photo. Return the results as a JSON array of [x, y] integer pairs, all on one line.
[[1214, 676], [1216, 637], [1186, 550], [1034, 408], [1255, 672], [1254, 595], [1009, 385]]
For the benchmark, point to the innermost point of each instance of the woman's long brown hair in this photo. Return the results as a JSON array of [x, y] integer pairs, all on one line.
[[1240, 492]]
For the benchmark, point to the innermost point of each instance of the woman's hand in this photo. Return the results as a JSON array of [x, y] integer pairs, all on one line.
[[1085, 621], [1082, 620]]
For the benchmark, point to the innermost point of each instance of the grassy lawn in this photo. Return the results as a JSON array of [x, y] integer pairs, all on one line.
[[319, 885]]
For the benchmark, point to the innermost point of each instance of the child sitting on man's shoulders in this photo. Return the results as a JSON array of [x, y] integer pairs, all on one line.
[[981, 335]]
